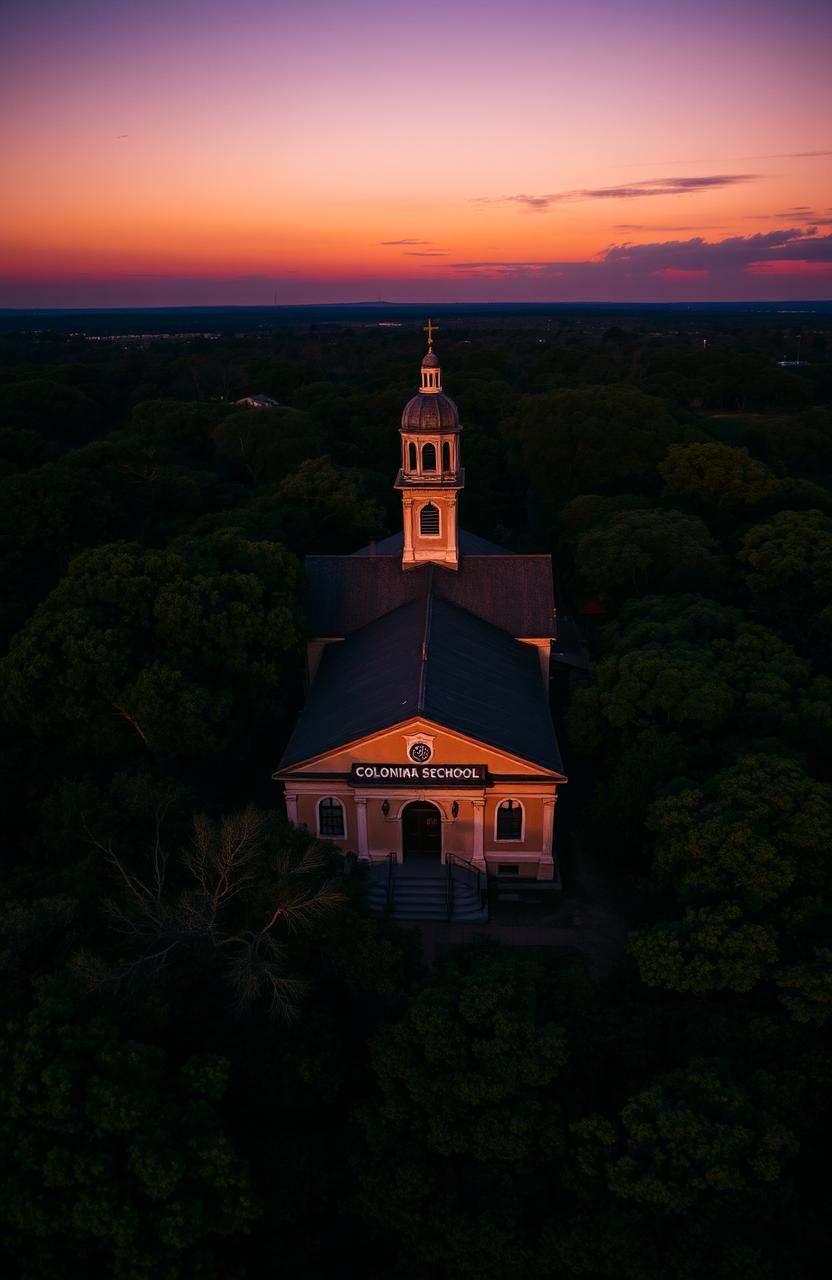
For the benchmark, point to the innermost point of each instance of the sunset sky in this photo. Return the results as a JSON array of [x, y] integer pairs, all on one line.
[[162, 152]]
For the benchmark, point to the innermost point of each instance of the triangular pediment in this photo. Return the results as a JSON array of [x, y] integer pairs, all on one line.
[[390, 747]]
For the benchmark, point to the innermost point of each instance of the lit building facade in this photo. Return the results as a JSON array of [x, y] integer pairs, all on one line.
[[427, 732]]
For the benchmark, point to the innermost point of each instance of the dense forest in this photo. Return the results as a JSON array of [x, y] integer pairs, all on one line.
[[214, 1061]]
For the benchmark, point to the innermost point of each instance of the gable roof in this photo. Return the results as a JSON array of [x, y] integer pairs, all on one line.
[[514, 593], [430, 658]]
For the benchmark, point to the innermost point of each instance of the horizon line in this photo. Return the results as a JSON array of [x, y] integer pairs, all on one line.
[[384, 302]]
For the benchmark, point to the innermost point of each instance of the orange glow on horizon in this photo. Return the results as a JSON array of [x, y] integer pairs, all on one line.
[[299, 146]]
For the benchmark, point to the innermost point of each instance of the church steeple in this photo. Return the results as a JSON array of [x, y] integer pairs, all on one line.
[[431, 474]]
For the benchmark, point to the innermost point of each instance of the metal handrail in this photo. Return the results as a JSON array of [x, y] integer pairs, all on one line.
[[391, 879], [482, 879]]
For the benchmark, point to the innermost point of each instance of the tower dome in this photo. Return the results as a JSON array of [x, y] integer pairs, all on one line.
[[430, 412], [430, 409]]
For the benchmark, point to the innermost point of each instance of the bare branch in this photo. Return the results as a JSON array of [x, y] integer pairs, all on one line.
[[303, 907], [131, 720]]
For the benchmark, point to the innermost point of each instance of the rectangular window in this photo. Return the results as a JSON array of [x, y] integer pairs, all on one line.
[[330, 817], [510, 820]]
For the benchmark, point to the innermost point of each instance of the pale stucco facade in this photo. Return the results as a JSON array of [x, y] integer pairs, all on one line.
[[468, 814]]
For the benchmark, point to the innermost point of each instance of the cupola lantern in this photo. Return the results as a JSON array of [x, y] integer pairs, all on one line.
[[431, 475]]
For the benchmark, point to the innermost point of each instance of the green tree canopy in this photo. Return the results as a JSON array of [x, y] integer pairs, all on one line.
[[747, 856], [262, 446], [51, 408], [184, 649], [326, 507], [184, 426], [748, 833], [688, 664], [467, 1103], [788, 567], [578, 439], [639, 551], [113, 1154], [692, 1135], [717, 475]]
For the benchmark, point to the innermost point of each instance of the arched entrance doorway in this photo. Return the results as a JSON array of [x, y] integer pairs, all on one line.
[[422, 831]]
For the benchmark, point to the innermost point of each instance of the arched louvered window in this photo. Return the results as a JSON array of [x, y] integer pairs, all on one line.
[[330, 817], [411, 456], [428, 457], [446, 456], [510, 820], [429, 520]]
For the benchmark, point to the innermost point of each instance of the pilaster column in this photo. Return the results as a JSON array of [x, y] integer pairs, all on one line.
[[407, 513], [292, 808], [546, 867], [452, 542], [478, 857], [361, 824]]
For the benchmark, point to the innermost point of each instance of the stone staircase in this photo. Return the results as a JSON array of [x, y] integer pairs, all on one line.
[[420, 892]]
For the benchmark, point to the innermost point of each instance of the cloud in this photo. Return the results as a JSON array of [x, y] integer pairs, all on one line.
[[404, 241], [534, 203], [629, 191], [668, 186], [724, 264], [674, 274], [426, 253], [797, 267]]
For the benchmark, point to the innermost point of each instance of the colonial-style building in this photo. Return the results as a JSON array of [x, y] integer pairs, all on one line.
[[426, 733]]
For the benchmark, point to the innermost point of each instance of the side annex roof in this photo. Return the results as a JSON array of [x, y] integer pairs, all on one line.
[[514, 593]]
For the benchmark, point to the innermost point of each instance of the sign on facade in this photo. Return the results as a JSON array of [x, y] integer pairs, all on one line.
[[419, 775]]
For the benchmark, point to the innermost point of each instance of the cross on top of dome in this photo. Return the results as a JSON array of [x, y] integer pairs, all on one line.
[[430, 330]]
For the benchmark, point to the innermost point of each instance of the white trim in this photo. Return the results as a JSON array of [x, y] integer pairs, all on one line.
[[338, 800], [361, 824], [544, 776], [477, 856], [442, 805], [510, 839], [508, 855]]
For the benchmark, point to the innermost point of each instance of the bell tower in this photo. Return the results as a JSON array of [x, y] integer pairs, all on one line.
[[431, 475]]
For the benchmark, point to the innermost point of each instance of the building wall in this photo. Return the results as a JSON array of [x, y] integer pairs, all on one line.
[[471, 834], [439, 547]]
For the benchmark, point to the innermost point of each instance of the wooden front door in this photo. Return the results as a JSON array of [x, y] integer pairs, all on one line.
[[422, 831]]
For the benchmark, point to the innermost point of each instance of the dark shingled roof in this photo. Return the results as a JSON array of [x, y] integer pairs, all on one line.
[[430, 658], [514, 593]]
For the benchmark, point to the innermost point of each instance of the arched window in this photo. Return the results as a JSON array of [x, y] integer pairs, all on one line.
[[330, 817], [510, 820], [411, 456], [446, 456], [428, 457], [429, 520]]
